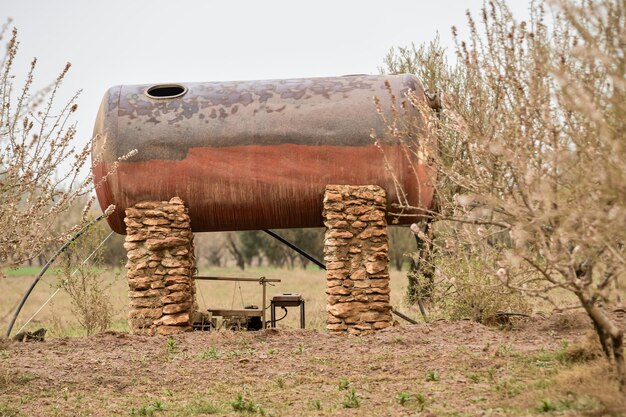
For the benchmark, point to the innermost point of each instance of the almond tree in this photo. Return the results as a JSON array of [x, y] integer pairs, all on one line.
[[529, 153], [42, 171]]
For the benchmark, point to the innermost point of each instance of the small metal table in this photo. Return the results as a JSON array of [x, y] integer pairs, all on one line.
[[246, 312], [286, 300]]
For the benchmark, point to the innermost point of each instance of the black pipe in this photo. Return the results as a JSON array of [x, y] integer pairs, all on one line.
[[297, 249], [323, 266], [404, 316], [45, 268]]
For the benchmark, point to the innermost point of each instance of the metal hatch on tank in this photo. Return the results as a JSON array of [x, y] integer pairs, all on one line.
[[250, 155]]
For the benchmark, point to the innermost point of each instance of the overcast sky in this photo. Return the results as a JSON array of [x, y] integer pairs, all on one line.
[[113, 42]]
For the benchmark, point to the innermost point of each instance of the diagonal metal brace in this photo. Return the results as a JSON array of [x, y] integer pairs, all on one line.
[[323, 266]]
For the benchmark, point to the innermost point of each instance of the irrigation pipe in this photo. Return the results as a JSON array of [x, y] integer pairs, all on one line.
[[47, 265], [59, 288]]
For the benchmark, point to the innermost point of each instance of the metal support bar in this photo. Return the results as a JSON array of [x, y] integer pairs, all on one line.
[[240, 279], [321, 265], [297, 249]]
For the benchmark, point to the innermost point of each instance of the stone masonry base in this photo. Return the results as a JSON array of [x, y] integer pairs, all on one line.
[[355, 251], [159, 245]]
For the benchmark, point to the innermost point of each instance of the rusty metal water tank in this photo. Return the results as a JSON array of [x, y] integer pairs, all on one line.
[[249, 155]]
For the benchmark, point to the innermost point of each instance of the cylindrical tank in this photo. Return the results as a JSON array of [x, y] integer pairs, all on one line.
[[250, 155]]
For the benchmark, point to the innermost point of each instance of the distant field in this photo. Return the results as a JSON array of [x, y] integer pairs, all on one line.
[[57, 317], [23, 271]]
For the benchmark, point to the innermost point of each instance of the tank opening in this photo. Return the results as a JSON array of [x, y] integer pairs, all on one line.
[[166, 91]]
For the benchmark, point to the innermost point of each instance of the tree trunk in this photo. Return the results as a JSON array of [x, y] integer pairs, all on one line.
[[239, 259], [421, 274], [610, 335], [399, 260]]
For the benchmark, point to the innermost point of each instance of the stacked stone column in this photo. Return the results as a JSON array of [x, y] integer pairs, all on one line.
[[355, 251], [161, 261]]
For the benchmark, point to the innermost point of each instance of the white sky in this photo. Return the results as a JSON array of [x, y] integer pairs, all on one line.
[[113, 42]]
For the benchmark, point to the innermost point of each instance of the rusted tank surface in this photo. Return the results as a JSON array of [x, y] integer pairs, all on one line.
[[250, 155]]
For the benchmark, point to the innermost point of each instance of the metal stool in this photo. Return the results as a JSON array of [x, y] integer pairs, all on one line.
[[286, 300]]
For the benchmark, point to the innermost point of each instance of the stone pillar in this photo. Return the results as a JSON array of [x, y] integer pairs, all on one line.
[[161, 261], [355, 251]]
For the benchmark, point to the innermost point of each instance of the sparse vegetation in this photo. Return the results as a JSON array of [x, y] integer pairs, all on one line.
[[171, 346], [148, 410], [243, 404], [351, 399], [432, 376], [403, 397], [316, 404], [201, 407], [343, 384], [421, 401], [80, 276], [211, 353]]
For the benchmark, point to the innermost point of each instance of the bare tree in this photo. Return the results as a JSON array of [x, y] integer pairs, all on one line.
[[529, 153], [42, 171], [233, 247], [211, 247]]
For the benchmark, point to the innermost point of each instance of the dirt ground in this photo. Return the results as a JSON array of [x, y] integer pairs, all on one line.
[[542, 366]]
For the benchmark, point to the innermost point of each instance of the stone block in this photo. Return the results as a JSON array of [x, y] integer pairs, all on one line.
[[337, 291], [174, 320], [177, 279], [177, 308], [337, 274], [175, 263], [130, 222], [178, 287], [146, 302], [157, 284], [178, 271], [137, 237], [379, 283], [177, 200], [137, 254], [376, 266], [358, 210], [372, 216], [154, 213], [358, 274], [146, 205], [332, 319], [147, 293], [374, 316], [332, 197], [145, 313], [383, 290], [336, 326], [137, 284], [176, 297], [335, 265], [133, 213], [165, 243]]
